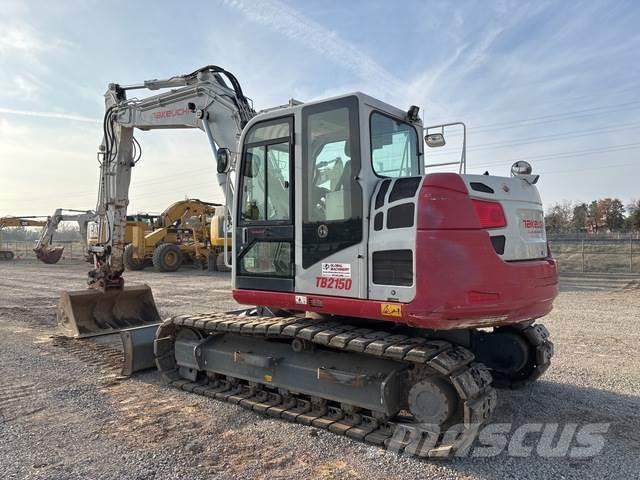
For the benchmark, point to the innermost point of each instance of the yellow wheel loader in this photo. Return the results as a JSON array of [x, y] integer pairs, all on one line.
[[144, 221], [187, 232]]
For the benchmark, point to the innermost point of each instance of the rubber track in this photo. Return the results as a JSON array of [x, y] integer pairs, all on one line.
[[471, 380], [538, 337]]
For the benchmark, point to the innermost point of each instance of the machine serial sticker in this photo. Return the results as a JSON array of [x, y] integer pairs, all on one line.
[[391, 309], [336, 270], [301, 300]]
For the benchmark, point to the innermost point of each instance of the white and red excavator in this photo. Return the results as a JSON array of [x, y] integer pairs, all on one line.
[[380, 295]]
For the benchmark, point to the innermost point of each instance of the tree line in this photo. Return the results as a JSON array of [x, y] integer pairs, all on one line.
[[65, 233], [598, 216]]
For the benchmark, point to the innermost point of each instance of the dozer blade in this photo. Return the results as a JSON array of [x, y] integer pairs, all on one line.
[[137, 346], [49, 255], [87, 313]]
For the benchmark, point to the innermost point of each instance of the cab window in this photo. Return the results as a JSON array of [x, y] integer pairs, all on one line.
[[266, 174], [394, 147]]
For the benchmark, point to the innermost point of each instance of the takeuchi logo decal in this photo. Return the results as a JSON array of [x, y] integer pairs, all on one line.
[[171, 113], [532, 224]]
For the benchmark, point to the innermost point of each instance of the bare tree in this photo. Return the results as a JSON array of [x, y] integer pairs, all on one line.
[[558, 218]]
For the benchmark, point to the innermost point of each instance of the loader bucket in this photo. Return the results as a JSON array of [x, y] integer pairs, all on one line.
[[49, 255], [87, 313]]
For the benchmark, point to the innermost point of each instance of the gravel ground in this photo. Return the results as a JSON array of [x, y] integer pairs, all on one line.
[[65, 413]]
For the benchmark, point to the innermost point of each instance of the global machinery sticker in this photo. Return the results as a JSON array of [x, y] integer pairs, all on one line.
[[336, 270], [335, 275]]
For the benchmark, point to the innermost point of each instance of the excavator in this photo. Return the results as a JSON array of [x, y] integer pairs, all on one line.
[[384, 303], [10, 221], [186, 232], [44, 250]]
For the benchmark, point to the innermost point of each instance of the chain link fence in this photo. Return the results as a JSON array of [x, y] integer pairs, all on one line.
[[23, 249], [604, 253]]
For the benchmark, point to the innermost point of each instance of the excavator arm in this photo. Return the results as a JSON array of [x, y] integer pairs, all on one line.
[[48, 254], [201, 99]]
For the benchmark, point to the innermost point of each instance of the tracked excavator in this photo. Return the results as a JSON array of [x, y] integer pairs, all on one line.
[[186, 232], [8, 222], [379, 296], [45, 251]]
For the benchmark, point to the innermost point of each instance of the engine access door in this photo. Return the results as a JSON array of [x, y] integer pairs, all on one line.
[[264, 217]]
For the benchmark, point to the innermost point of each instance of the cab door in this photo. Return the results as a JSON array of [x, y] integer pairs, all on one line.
[[264, 217]]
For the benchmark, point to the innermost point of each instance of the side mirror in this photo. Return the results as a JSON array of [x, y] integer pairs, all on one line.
[[435, 140], [223, 160]]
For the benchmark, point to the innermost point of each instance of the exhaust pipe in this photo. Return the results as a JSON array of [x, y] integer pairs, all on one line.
[[88, 313]]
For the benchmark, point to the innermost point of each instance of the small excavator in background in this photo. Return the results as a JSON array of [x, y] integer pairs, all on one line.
[[44, 249], [187, 232], [8, 222], [379, 296]]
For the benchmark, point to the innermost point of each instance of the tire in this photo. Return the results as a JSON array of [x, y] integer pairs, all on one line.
[[6, 255], [131, 262], [167, 257]]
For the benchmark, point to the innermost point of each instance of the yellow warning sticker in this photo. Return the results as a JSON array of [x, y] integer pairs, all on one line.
[[268, 378], [391, 309]]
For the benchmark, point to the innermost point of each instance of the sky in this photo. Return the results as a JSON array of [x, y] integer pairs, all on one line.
[[553, 83]]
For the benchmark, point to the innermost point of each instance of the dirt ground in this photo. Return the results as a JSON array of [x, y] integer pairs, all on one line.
[[65, 412]]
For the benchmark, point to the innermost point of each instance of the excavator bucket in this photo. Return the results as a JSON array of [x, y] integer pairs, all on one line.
[[49, 255], [87, 313]]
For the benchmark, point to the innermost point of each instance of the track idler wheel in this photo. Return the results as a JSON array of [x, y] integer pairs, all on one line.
[[434, 401], [515, 356]]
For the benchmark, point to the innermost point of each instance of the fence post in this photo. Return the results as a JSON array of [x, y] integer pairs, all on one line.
[[631, 255], [582, 251]]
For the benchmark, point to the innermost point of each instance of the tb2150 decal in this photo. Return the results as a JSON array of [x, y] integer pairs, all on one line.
[[337, 283]]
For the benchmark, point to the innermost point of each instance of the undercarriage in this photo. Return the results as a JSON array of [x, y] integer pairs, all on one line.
[[399, 391]]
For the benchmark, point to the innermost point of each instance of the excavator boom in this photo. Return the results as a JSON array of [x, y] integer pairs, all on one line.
[[209, 99]]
